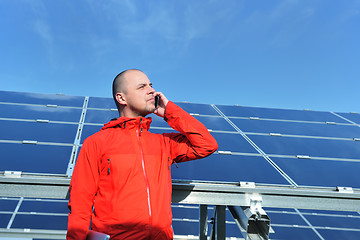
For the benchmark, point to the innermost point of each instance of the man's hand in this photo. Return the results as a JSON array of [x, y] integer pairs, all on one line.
[[163, 101]]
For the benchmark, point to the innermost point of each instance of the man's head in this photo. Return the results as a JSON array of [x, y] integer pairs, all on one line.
[[133, 93]]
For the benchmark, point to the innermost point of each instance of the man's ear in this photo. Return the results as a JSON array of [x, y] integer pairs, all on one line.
[[120, 98]]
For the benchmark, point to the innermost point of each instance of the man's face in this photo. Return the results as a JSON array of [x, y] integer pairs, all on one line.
[[139, 94]]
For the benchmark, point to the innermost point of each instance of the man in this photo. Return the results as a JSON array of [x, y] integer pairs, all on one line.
[[122, 179]]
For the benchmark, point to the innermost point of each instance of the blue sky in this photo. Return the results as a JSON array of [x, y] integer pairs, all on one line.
[[297, 54]]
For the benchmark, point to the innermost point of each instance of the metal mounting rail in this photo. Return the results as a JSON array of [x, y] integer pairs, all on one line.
[[203, 192], [277, 196], [245, 201], [52, 234]]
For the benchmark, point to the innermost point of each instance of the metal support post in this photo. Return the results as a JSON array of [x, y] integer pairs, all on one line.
[[220, 223], [203, 222]]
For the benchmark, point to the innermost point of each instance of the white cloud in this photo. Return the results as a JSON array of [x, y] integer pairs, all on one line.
[[44, 30], [176, 24], [40, 26]]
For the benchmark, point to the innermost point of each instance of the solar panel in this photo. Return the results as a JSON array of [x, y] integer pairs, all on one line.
[[327, 173], [231, 168], [34, 221], [283, 114], [351, 117], [34, 158], [88, 130], [100, 116], [298, 128], [197, 108], [42, 112], [312, 147], [101, 103], [49, 100], [39, 132], [41, 135]]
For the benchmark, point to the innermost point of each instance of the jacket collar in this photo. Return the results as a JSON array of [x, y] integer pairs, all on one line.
[[128, 123]]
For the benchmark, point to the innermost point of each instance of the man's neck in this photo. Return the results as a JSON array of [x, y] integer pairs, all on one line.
[[129, 114]]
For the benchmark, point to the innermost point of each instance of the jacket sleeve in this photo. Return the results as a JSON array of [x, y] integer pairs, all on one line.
[[194, 140], [83, 188]]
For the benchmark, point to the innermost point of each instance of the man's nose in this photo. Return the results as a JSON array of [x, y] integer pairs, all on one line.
[[151, 90]]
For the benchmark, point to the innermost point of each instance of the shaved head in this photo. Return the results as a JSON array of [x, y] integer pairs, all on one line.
[[119, 84]]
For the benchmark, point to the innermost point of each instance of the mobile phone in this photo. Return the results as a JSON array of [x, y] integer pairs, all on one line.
[[157, 99], [92, 235]]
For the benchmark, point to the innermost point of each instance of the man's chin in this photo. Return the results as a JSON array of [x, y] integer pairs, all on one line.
[[149, 111]]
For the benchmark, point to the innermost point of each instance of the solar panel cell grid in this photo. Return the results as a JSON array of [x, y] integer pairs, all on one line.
[[185, 227], [34, 158], [293, 146], [99, 102], [42, 99], [34, 221], [34, 112], [284, 114], [4, 219], [286, 218], [336, 222], [8, 205], [233, 142], [325, 173], [355, 117], [41, 206], [231, 168], [296, 128], [100, 116], [215, 123], [184, 211], [315, 212], [89, 130], [35, 131], [346, 234], [298, 233], [196, 108]]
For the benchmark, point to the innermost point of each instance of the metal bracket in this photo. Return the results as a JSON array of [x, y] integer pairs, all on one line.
[[255, 204], [29, 142], [225, 152], [275, 134], [42, 120], [247, 184], [52, 105], [253, 221], [254, 118], [303, 157], [344, 189], [13, 174]]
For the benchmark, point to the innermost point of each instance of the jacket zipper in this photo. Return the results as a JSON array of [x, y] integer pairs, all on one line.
[[143, 167]]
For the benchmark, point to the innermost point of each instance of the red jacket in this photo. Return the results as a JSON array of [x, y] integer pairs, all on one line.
[[125, 172]]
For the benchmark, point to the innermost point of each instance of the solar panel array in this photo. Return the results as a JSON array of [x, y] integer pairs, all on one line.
[[42, 134]]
